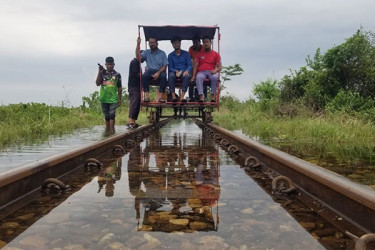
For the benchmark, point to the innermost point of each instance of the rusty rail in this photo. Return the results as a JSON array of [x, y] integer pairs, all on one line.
[[326, 192], [19, 186]]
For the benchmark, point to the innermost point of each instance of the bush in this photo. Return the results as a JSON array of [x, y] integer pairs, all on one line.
[[349, 102]]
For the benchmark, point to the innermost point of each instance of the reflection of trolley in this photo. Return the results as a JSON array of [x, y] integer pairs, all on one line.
[[179, 188], [188, 109]]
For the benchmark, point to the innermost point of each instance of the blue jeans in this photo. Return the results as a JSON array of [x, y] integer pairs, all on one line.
[[146, 77], [172, 80]]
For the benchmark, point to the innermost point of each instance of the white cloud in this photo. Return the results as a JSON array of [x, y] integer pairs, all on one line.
[[65, 39]]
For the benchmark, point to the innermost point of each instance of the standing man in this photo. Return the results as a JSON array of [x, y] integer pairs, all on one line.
[[110, 92], [208, 65], [157, 62], [194, 50], [179, 66], [134, 89]]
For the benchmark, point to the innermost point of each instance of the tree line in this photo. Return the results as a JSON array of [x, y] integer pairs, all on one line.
[[340, 80]]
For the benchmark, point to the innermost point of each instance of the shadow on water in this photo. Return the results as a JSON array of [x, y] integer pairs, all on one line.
[[177, 190]]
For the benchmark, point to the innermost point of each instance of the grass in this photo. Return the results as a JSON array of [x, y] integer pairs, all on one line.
[[303, 135], [23, 123]]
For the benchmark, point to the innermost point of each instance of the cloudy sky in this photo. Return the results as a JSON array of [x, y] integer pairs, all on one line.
[[50, 48]]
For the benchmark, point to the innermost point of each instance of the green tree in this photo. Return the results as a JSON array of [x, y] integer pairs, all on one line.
[[92, 102], [267, 93], [351, 66], [346, 67], [228, 72], [266, 90]]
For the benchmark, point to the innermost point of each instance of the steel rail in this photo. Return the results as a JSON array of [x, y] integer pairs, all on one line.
[[19, 186], [354, 203]]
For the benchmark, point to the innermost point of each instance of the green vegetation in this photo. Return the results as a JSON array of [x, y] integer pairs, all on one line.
[[27, 123], [297, 126], [22, 123]]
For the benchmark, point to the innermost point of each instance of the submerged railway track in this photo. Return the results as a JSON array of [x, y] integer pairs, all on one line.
[[348, 207]]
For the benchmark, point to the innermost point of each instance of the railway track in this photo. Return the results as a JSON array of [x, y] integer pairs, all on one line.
[[348, 206]]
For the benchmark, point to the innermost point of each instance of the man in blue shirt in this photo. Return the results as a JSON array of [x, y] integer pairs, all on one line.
[[179, 66], [157, 62]]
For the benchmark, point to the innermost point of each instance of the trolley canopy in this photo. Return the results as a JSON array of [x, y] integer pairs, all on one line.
[[184, 32]]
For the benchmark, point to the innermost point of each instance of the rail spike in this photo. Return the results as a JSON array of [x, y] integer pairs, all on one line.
[[224, 142], [118, 150], [252, 162], [138, 138], [217, 137], [279, 188], [92, 162], [233, 149], [130, 143], [52, 184], [363, 242]]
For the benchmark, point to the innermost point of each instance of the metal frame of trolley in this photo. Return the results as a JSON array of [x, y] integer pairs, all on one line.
[[189, 109]]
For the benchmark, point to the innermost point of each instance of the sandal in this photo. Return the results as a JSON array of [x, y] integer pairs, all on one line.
[[147, 99], [161, 100], [130, 125]]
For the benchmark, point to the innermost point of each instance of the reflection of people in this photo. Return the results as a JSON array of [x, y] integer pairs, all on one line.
[[179, 66], [157, 62], [109, 176], [207, 183], [134, 92], [135, 177], [110, 92], [208, 65]]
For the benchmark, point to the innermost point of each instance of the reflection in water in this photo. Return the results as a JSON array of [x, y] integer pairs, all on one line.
[[109, 176], [173, 195], [178, 192]]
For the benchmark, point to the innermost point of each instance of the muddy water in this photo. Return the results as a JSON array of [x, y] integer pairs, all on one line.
[[176, 190]]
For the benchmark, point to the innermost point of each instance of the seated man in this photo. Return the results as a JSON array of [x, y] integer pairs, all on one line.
[[194, 50], [179, 66], [157, 62], [208, 65]]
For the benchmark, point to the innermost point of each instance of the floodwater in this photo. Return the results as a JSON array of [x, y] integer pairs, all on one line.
[[176, 190], [356, 164], [13, 157]]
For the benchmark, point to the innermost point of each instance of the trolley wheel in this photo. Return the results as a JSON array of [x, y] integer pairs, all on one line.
[[152, 117], [206, 117]]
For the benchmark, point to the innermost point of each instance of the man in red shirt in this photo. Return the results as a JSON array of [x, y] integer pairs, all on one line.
[[207, 65], [194, 50]]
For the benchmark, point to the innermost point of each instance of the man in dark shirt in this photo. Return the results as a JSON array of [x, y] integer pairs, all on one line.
[[134, 92]]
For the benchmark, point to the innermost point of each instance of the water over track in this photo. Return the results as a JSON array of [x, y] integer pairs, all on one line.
[[348, 206]]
